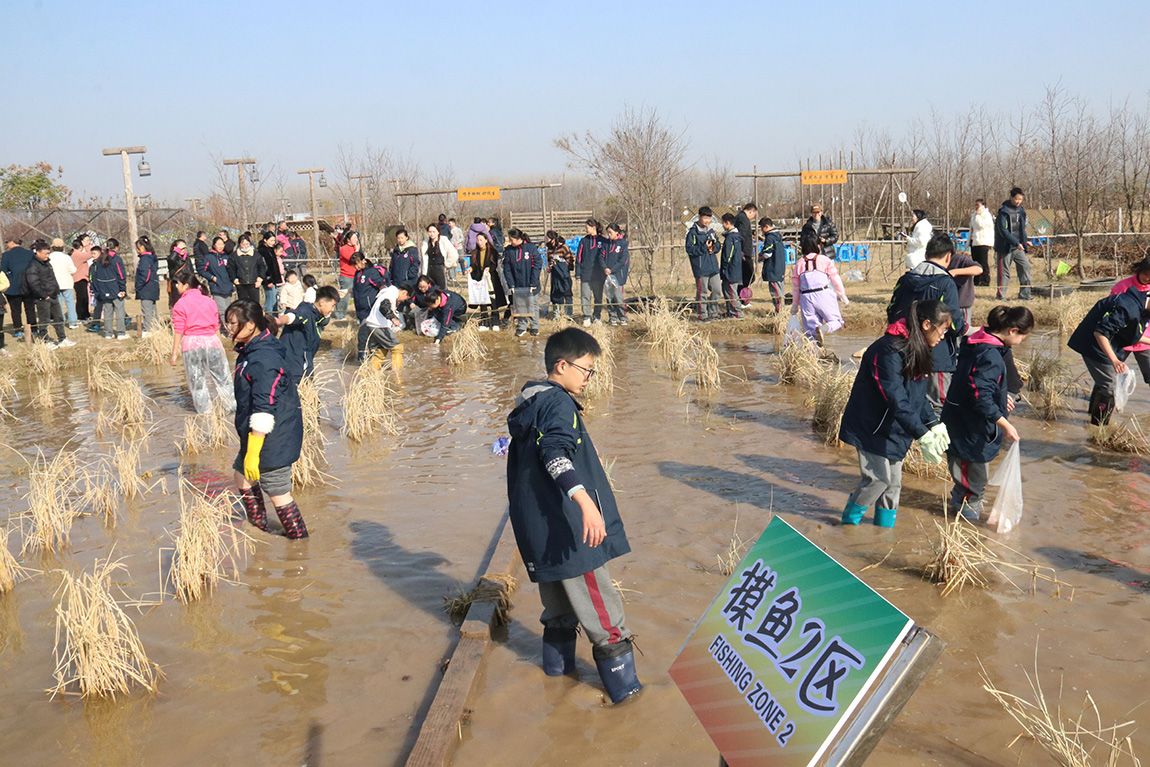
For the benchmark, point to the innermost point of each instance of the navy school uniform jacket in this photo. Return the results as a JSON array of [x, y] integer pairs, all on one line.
[[13, 263], [589, 258], [731, 264], [704, 263], [214, 271], [263, 385], [300, 339], [404, 265], [1121, 318], [977, 398], [774, 257], [617, 259], [108, 281], [454, 309], [551, 453], [521, 266], [930, 282], [886, 412], [366, 286], [561, 285], [147, 277]]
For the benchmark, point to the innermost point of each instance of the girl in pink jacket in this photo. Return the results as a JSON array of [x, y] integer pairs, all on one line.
[[816, 283], [196, 320]]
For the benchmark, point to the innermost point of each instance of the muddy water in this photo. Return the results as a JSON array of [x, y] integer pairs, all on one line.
[[329, 650]]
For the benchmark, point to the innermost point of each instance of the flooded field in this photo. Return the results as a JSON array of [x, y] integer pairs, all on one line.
[[329, 651]]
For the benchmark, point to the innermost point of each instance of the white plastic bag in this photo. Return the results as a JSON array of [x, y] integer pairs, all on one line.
[[477, 292], [1123, 388], [429, 327], [794, 331], [1007, 510]]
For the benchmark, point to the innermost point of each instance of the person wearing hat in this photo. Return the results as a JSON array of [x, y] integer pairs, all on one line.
[[64, 268]]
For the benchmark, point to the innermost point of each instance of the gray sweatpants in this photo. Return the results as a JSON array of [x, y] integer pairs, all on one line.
[[591, 296], [613, 295], [1105, 379], [523, 301], [112, 316], [149, 310], [713, 287], [222, 304], [208, 363], [1021, 263], [881, 483], [970, 479], [589, 600]]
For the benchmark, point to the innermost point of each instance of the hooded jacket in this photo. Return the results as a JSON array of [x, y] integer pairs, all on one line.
[[1122, 318], [886, 411], [404, 265], [473, 232], [824, 229], [147, 277], [589, 258], [368, 282], [704, 260], [39, 280], [247, 267], [929, 282], [617, 258], [977, 398], [551, 454], [731, 262], [774, 257], [453, 309], [107, 280], [13, 263], [300, 339], [1009, 228], [266, 393], [214, 271], [521, 266], [981, 228]]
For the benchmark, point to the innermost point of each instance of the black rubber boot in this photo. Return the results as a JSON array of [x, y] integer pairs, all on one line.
[[558, 651], [617, 670], [292, 520], [253, 503], [1100, 408]]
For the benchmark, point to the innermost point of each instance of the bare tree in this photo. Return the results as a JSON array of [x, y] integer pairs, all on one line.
[[1131, 142], [639, 162]]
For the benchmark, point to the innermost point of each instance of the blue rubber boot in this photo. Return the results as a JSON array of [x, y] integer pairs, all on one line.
[[558, 651], [618, 671], [885, 517], [853, 513]]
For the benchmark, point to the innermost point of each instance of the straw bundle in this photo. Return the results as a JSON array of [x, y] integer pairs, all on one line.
[[156, 349], [828, 401], [799, 363], [669, 334], [41, 359], [1049, 386], [44, 397], [1122, 435], [11, 572], [308, 471], [915, 464], [50, 507], [100, 494], [126, 464], [704, 361], [208, 546], [7, 393], [603, 382], [467, 345], [129, 405], [730, 558], [208, 431], [1071, 310], [98, 648], [369, 404], [101, 379], [494, 588]]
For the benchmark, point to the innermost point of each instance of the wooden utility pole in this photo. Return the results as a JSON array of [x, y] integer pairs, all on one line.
[[240, 163], [195, 201], [314, 209], [363, 203], [398, 206], [129, 199]]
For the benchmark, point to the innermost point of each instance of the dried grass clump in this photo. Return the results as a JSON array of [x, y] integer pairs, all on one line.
[[603, 382], [44, 398], [51, 511], [1122, 435], [308, 471], [799, 363], [915, 464], [1071, 310], [828, 401], [344, 336], [11, 571], [129, 405], [669, 334], [704, 362], [156, 349], [41, 359], [467, 345], [209, 431], [495, 588], [98, 648], [126, 465], [8, 393], [1048, 386], [730, 558], [208, 546], [100, 494], [963, 556], [369, 404], [1070, 741], [101, 379]]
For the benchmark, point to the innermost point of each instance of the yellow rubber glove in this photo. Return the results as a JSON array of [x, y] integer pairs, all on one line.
[[252, 456]]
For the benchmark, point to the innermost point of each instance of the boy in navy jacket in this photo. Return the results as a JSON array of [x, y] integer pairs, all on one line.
[[521, 268], [731, 266], [368, 281], [703, 252], [448, 309], [773, 256], [404, 261], [616, 265], [1113, 324], [566, 522], [300, 331]]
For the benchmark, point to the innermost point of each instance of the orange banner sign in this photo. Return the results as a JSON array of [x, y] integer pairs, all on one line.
[[478, 193], [811, 177]]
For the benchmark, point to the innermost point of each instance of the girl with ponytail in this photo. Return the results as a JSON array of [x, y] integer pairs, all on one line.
[[195, 320], [147, 281], [888, 410], [976, 404]]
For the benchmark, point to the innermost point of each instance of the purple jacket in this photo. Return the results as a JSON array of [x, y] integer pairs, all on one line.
[[472, 232]]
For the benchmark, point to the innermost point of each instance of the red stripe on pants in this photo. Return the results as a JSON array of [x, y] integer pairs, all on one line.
[[600, 608], [699, 295], [965, 473]]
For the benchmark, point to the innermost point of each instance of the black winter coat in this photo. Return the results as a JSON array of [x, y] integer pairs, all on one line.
[[107, 280], [747, 239], [39, 280], [271, 264], [731, 261], [977, 399], [263, 385], [247, 269], [825, 230], [547, 430], [13, 263], [300, 339], [522, 265], [214, 272], [1122, 319]]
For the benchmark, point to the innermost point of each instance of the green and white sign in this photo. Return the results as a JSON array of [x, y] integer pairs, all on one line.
[[786, 652]]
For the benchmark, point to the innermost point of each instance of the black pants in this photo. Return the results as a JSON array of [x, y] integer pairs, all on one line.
[[248, 293], [83, 311], [21, 306], [438, 275], [48, 310], [981, 256]]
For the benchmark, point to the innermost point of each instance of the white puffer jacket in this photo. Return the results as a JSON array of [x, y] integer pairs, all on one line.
[[982, 228], [916, 243]]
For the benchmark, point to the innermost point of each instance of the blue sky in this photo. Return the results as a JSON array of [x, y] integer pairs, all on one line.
[[486, 87]]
